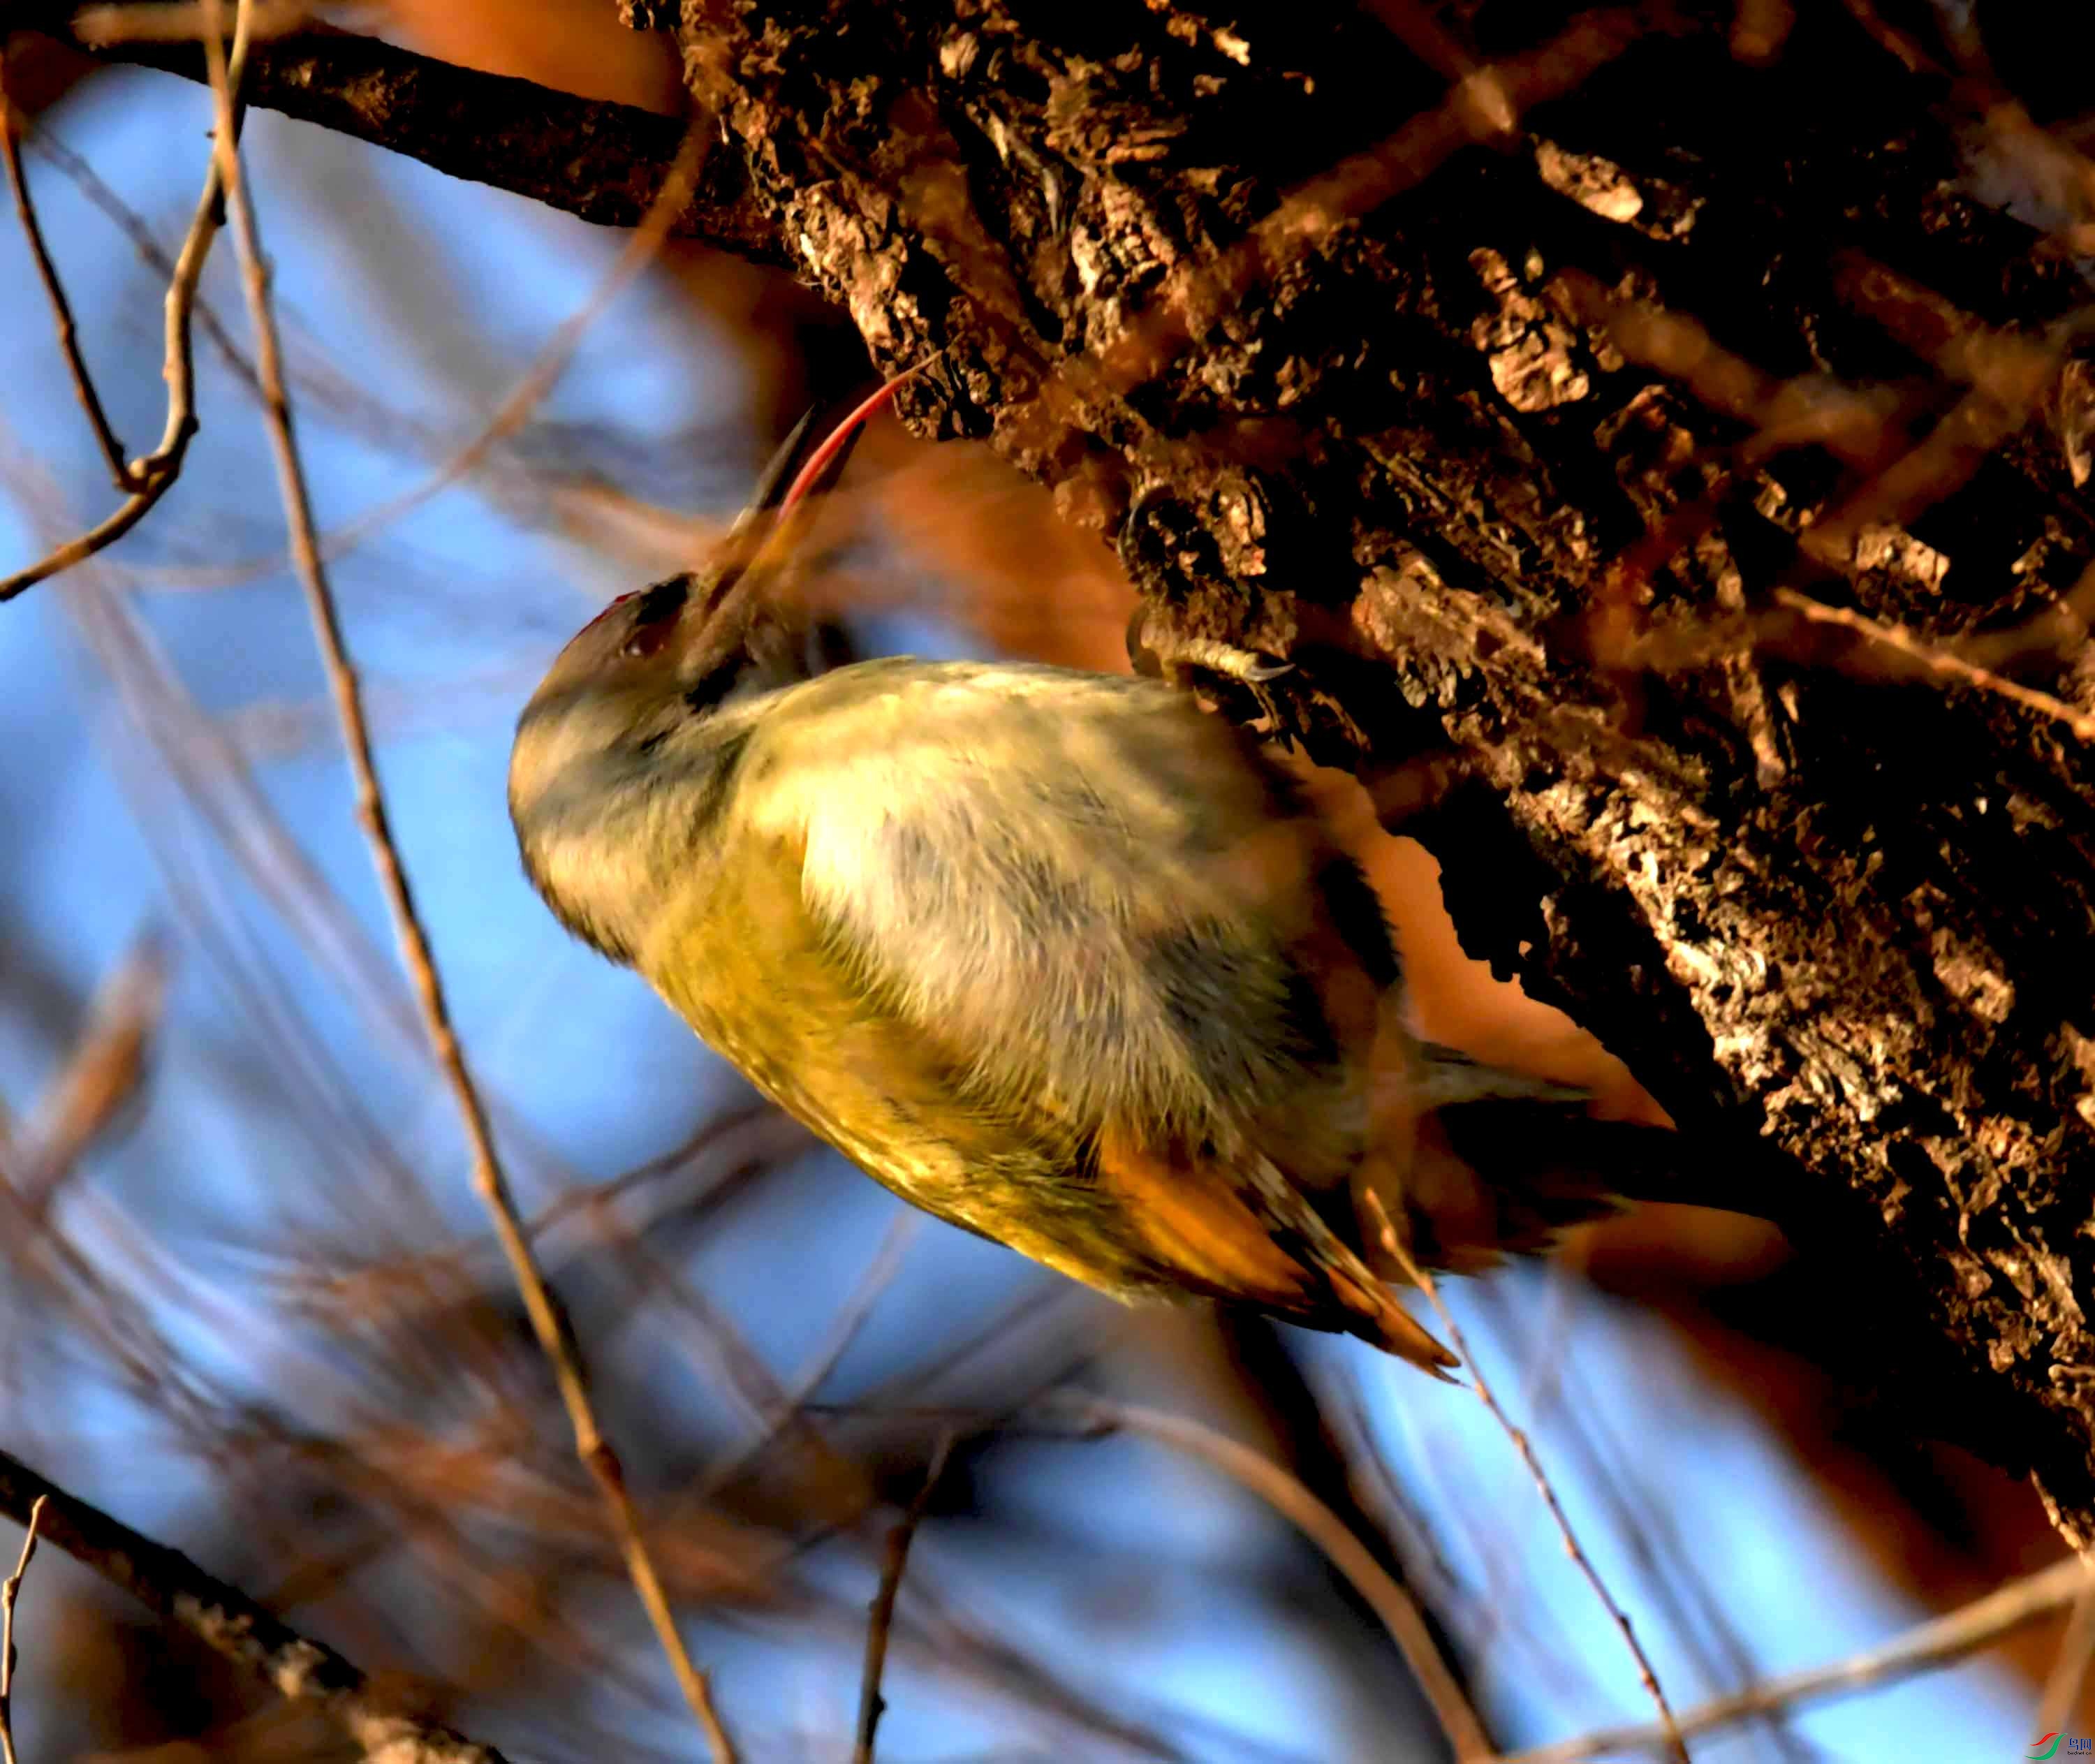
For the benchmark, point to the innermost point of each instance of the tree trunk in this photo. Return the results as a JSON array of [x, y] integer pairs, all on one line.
[[1658, 438]]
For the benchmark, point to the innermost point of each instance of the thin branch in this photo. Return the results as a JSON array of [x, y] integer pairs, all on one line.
[[1419, 1277], [548, 1321], [870, 1702], [545, 368], [724, 1152], [11, 1590], [1945, 664], [2008, 376], [852, 1314], [1649, 1525], [132, 225], [1933, 1644], [112, 449], [171, 1586], [1285, 1493], [159, 469]]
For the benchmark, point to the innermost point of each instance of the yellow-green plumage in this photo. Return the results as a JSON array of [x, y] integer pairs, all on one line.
[[961, 969], [1055, 956]]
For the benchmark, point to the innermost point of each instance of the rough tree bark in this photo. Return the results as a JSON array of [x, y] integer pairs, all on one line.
[[1533, 380]]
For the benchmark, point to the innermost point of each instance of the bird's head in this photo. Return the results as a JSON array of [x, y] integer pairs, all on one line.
[[643, 711]]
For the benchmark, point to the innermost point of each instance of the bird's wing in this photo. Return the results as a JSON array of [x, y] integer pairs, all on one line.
[[1126, 1209], [1091, 894], [1057, 911]]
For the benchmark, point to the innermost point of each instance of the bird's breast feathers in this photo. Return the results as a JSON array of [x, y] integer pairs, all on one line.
[[1078, 886]]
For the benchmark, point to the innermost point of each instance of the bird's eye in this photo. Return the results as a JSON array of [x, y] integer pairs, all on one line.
[[655, 615]]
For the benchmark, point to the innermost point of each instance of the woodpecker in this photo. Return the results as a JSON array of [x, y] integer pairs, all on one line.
[[1058, 956]]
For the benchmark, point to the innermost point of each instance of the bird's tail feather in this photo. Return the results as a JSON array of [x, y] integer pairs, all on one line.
[[1502, 1162]]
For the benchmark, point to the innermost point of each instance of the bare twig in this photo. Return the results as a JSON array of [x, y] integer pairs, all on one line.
[[159, 469], [9, 1591], [1808, 410], [2007, 374], [1928, 1645], [1891, 40], [171, 1586], [1649, 1526], [1285, 1493], [1415, 26], [112, 449], [1945, 664], [870, 1702], [723, 1153], [1419, 1277], [132, 225], [547, 1319], [510, 415], [784, 1407], [1759, 29], [902, 1231]]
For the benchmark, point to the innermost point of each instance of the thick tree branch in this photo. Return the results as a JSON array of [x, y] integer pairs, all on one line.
[[602, 161], [171, 1586]]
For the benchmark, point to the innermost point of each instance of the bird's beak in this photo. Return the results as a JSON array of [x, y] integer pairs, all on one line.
[[777, 476], [747, 537], [767, 533]]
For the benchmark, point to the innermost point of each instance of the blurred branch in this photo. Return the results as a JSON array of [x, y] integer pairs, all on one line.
[[552, 360], [1285, 1494], [1484, 105], [132, 225], [789, 1406], [2069, 1671], [725, 1152], [11, 1590], [1419, 1276], [171, 1586], [548, 1321], [1962, 1632], [177, 21], [101, 1073], [382, 84], [870, 1702], [604, 162]]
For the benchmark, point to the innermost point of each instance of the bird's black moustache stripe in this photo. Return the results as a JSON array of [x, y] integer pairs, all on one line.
[[713, 687]]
